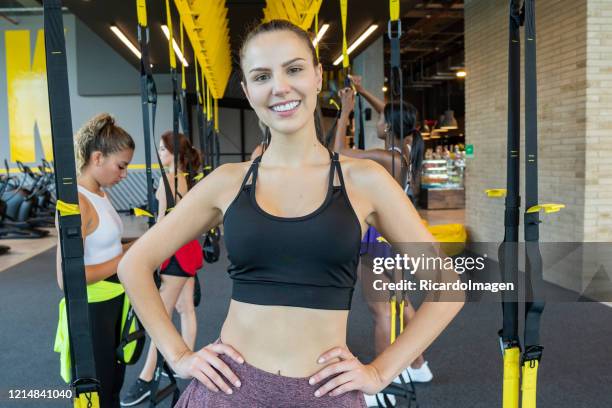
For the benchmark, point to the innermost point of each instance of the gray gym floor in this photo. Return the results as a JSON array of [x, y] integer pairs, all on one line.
[[576, 370]]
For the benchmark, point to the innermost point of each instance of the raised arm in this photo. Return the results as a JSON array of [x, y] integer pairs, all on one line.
[[380, 156], [199, 211], [377, 103]]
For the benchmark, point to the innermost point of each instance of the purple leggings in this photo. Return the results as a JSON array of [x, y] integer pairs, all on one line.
[[261, 389]]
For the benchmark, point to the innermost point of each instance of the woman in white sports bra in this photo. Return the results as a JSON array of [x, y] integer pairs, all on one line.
[[103, 152]]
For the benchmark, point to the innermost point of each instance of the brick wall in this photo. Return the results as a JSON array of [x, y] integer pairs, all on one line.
[[598, 189], [562, 107]]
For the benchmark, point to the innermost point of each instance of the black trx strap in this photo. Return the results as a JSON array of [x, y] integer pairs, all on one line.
[[361, 135], [84, 380], [526, 379], [508, 250], [146, 95], [200, 118], [396, 88], [533, 258], [149, 109], [183, 95]]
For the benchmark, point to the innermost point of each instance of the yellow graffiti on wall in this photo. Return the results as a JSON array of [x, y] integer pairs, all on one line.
[[28, 102]]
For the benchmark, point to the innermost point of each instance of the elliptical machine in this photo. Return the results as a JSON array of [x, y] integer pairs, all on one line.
[[15, 208]]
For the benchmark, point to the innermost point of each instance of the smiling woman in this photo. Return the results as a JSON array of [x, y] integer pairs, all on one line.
[[293, 220]]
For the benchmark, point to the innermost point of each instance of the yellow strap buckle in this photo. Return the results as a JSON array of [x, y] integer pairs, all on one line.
[[548, 208], [199, 177], [139, 212], [67, 209], [496, 192]]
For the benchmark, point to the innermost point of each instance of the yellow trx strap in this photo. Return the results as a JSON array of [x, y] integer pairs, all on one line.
[[345, 58], [511, 377], [203, 86], [141, 10], [170, 35], [87, 400], [394, 317], [394, 10], [183, 82], [208, 110], [216, 115], [530, 382], [197, 78]]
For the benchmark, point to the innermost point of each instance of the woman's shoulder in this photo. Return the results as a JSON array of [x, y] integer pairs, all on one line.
[[364, 173], [227, 175]]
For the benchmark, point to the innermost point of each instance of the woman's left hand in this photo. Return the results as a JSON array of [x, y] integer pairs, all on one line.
[[351, 374]]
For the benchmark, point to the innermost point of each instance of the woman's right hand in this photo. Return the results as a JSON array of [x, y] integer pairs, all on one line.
[[356, 81], [202, 364], [347, 96]]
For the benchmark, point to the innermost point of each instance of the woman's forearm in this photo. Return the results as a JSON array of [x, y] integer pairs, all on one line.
[[137, 278], [377, 104], [427, 324], [340, 136]]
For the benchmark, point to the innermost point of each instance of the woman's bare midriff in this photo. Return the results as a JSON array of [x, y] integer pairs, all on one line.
[[284, 340]]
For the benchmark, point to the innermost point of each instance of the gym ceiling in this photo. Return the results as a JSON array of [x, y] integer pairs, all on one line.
[[432, 39]]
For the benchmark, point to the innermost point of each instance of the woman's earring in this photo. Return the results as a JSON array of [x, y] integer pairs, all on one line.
[[387, 129]]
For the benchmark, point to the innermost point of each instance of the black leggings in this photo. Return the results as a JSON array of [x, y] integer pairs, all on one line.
[[105, 321]]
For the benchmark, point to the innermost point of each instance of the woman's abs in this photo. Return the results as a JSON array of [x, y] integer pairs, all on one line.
[[282, 340]]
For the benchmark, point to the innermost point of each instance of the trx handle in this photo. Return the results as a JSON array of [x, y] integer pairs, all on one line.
[[343, 15], [83, 376], [530, 384], [511, 377]]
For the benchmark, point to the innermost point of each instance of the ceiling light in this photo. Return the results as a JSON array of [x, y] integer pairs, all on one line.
[[359, 40], [461, 74], [449, 121], [177, 49], [125, 40], [320, 34]]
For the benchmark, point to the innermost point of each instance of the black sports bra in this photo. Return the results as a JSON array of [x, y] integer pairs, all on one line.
[[308, 261]]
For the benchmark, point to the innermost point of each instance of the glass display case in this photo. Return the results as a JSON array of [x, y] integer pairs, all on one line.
[[442, 183], [443, 173]]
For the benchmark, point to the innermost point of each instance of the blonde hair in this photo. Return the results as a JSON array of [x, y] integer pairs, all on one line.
[[100, 133]]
